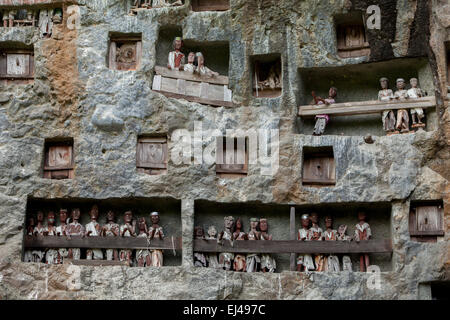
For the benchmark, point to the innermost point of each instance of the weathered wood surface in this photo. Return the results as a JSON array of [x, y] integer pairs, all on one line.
[[365, 107], [96, 263], [167, 73], [218, 103], [101, 242], [294, 246], [24, 3], [210, 5]]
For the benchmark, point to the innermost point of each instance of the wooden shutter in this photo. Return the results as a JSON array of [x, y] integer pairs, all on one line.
[[59, 162], [238, 153], [18, 64], [152, 153], [429, 218], [319, 170]]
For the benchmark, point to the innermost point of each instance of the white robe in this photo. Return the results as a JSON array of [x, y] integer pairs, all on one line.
[[96, 254]]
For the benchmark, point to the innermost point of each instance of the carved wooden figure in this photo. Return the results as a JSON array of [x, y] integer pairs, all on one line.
[[402, 114], [417, 114], [239, 263], [213, 262], [93, 229], [143, 256], [317, 235], [253, 260], [268, 263], [342, 236], [323, 119], [61, 230], [128, 229], [75, 229], [363, 232], [305, 261], [45, 22], [199, 257], [156, 231], [111, 229], [51, 255], [226, 258], [176, 57], [388, 116], [332, 261], [28, 256], [191, 65], [38, 230], [203, 70]]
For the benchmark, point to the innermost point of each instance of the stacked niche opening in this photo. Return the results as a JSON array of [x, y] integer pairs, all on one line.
[[351, 35], [58, 158], [284, 229], [152, 154], [319, 168], [169, 210], [426, 220], [125, 51], [16, 63], [210, 5], [231, 156], [357, 110], [267, 78], [192, 70]]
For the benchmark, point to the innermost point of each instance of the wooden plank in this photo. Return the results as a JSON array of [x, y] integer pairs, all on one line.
[[417, 233], [167, 73], [292, 236], [23, 3], [428, 218], [101, 242], [18, 64], [156, 85], [320, 170], [196, 99], [181, 86], [210, 5], [96, 263], [112, 55], [365, 107], [295, 246], [138, 54]]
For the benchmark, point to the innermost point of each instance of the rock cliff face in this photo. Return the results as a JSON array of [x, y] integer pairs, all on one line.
[[76, 95]]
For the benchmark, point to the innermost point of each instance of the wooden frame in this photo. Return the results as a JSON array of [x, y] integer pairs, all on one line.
[[144, 154], [426, 222], [96, 263], [22, 68], [351, 40], [364, 107], [210, 5], [221, 156], [59, 160], [318, 168], [134, 43]]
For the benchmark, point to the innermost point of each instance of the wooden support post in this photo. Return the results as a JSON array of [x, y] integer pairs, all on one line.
[[187, 231], [292, 237]]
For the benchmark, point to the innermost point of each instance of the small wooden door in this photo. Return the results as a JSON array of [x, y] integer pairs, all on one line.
[[152, 153], [429, 218], [235, 161], [18, 64], [319, 170], [59, 162]]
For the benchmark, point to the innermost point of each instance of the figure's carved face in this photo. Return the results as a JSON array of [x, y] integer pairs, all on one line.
[[229, 221], [342, 229], [332, 93], [191, 57], [212, 232], [400, 84], [128, 216], [76, 214], [263, 225], [51, 218], [94, 212], [315, 218], [155, 219], [110, 216], [329, 223], [142, 224], [305, 222], [63, 215], [361, 216], [40, 216], [178, 44], [253, 224], [31, 222], [384, 84], [199, 232], [238, 224], [413, 83], [200, 60]]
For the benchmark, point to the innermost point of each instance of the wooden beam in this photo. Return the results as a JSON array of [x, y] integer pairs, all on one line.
[[96, 263], [295, 246], [417, 233], [292, 237], [217, 103], [101, 242], [163, 71], [365, 107]]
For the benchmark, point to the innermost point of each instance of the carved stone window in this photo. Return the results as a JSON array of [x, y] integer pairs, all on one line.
[[426, 221], [231, 155], [351, 37], [16, 64], [267, 76], [58, 163], [152, 155], [125, 53], [210, 5], [318, 166]]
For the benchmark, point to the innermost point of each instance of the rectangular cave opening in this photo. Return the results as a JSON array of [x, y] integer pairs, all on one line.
[[136, 5], [426, 220], [58, 158], [125, 51], [440, 290], [351, 35], [169, 210], [209, 213], [361, 83], [16, 63], [319, 168], [266, 75], [152, 154], [210, 5]]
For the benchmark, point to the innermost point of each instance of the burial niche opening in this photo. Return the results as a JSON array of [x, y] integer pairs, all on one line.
[[137, 5], [351, 35], [58, 162], [231, 156], [319, 167], [210, 5], [105, 232], [125, 52], [152, 155], [16, 63], [266, 76], [426, 221]]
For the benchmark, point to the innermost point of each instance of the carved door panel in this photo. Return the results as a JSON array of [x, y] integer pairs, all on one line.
[[233, 160], [60, 156], [320, 170], [152, 153], [18, 64], [429, 218]]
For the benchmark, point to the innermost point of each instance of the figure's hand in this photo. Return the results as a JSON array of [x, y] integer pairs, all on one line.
[[88, 233], [169, 67]]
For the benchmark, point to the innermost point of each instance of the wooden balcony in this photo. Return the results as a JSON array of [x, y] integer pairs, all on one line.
[[27, 3], [183, 85], [364, 107]]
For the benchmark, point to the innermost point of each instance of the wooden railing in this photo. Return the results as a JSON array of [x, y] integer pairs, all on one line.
[[364, 107], [27, 3]]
